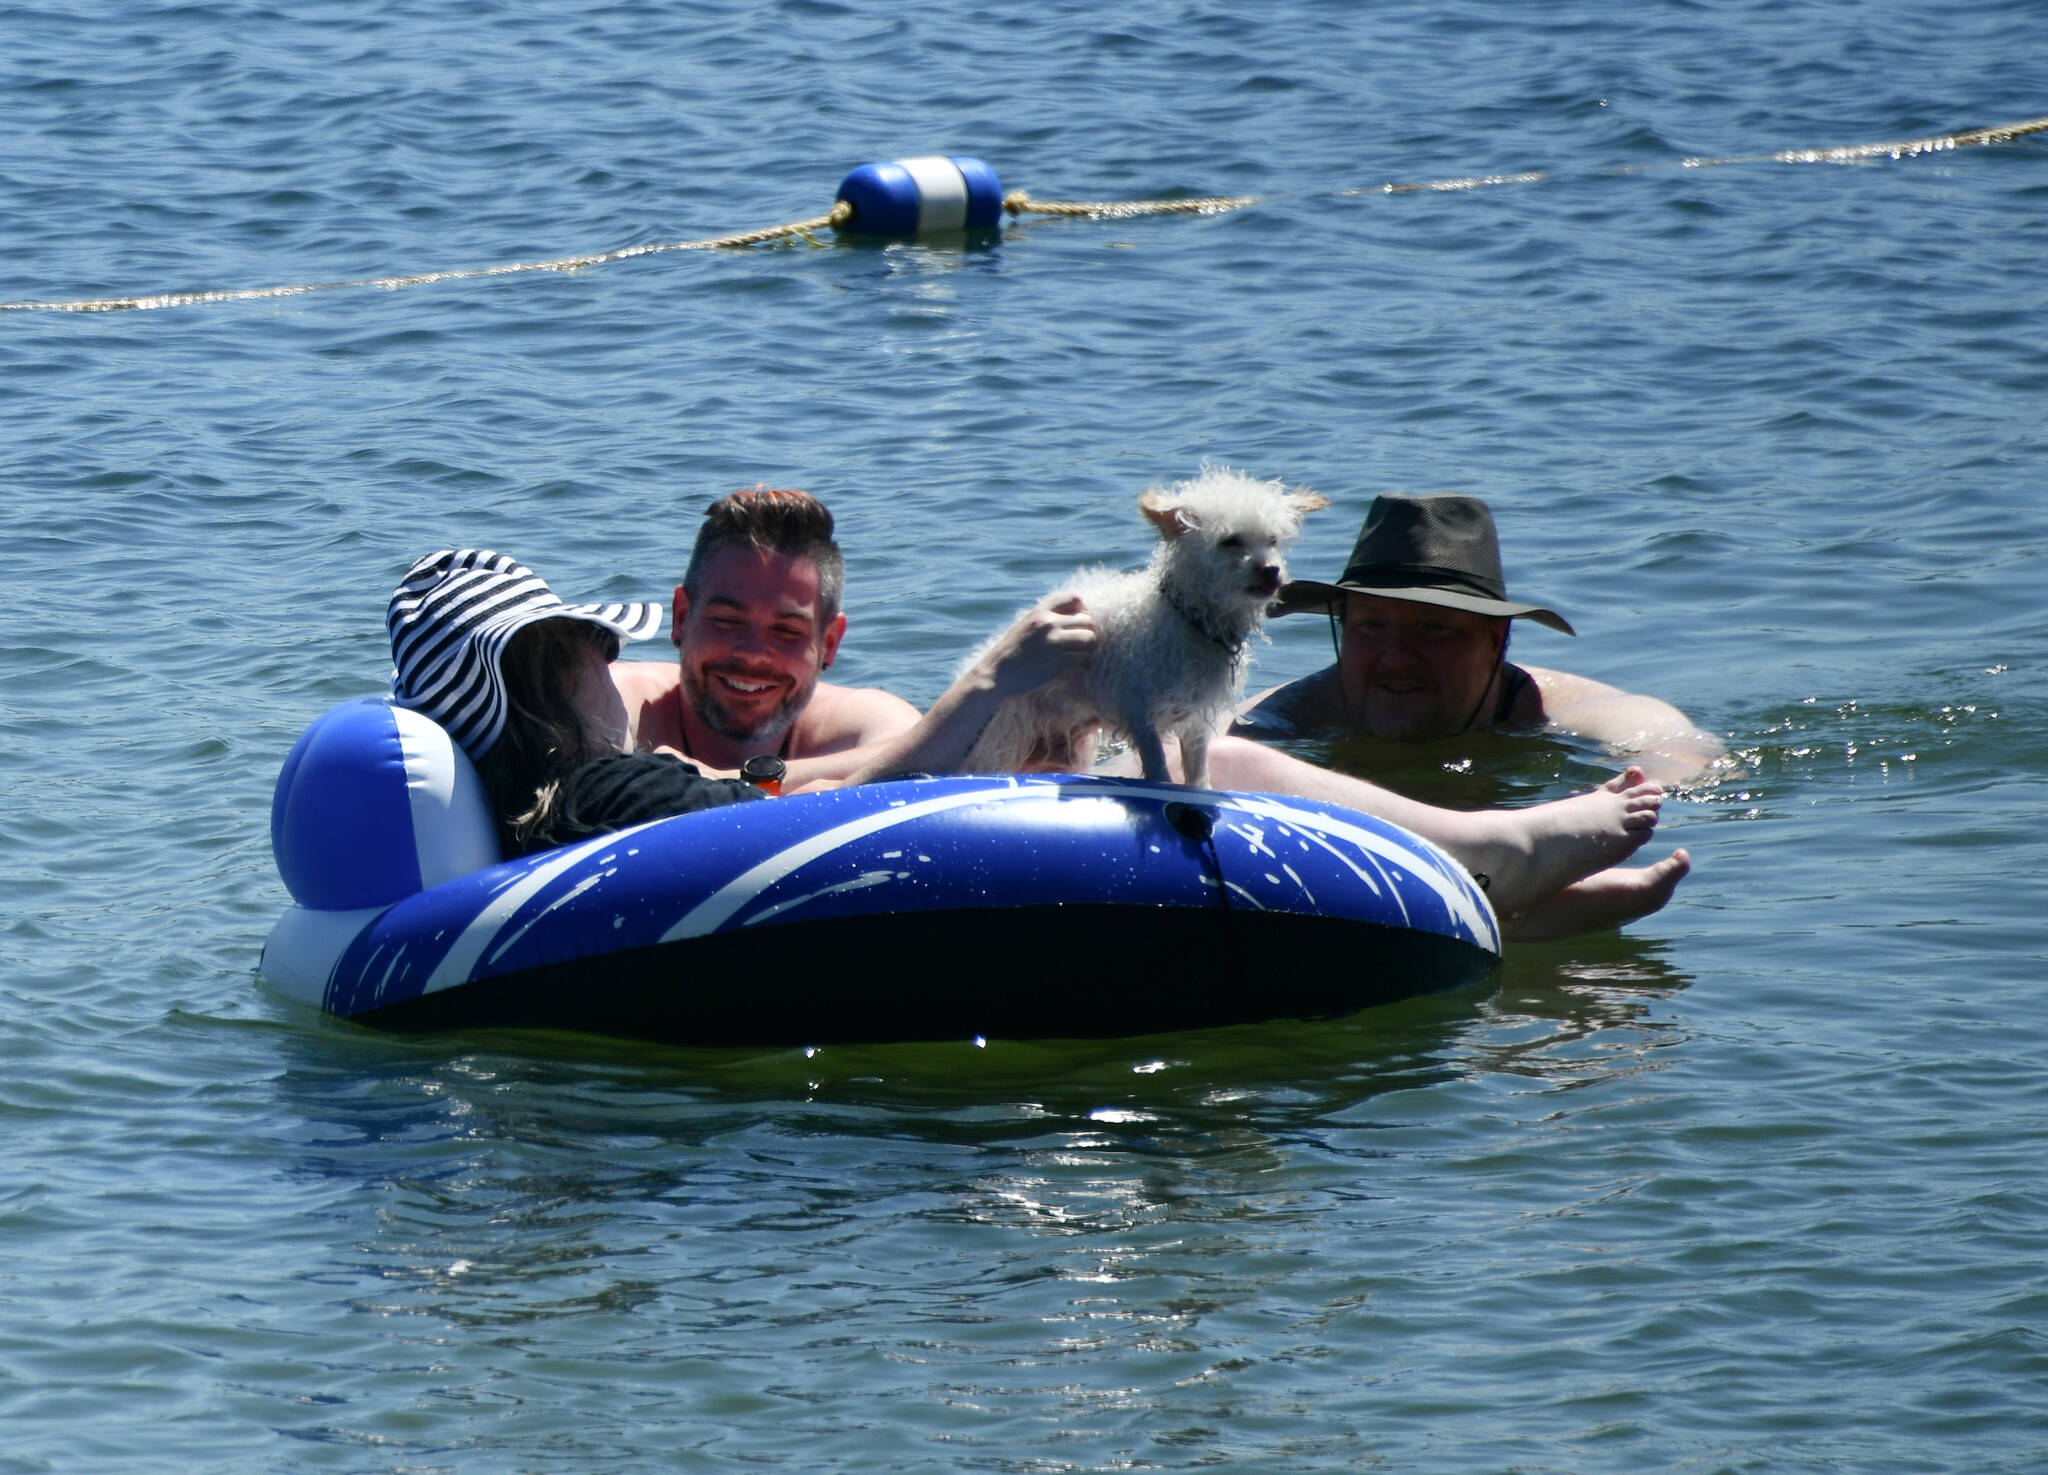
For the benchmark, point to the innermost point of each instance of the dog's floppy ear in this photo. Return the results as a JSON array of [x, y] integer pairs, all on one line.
[[1168, 516]]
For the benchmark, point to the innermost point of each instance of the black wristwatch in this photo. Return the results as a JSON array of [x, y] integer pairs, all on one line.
[[765, 772]]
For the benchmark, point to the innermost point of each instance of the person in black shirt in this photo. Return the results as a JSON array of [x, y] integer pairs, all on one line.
[[520, 680]]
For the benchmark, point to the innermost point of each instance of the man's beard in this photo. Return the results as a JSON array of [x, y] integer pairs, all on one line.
[[722, 722]]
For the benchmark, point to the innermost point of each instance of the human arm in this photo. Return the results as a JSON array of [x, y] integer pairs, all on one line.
[[838, 730], [1049, 640], [1647, 731], [845, 729]]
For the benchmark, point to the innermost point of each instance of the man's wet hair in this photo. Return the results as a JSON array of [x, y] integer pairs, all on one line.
[[772, 520]]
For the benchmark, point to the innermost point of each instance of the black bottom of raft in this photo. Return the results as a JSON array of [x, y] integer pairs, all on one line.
[[1015, 973]]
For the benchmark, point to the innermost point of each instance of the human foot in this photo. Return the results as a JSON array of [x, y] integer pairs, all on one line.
[[1603, 901], [1529, 855]]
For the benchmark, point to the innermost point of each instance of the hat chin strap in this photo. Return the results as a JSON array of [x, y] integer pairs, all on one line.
[[1500, 658], [1484, 692]]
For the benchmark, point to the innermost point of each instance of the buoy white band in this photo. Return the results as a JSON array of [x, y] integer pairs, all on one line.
[[941, 192]]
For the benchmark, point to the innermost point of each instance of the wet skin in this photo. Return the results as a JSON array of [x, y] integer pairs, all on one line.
[[752, 643], [1410, 672]]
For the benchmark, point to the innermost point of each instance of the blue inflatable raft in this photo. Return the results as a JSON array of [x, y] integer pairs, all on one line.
[[924, 909]]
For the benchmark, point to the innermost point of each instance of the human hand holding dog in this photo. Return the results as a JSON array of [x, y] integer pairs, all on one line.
[[1053, 637]]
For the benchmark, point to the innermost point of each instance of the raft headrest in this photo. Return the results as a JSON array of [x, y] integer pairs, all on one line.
[[375, 803]]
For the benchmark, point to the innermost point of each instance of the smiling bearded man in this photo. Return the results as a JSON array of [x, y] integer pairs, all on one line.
[[757, 621]]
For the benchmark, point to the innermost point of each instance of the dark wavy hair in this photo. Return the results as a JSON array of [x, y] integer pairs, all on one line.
[[545, 735]]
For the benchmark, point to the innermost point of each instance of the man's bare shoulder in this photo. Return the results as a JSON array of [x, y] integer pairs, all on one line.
[[843, 717], [648, 689], [644, 680], [1291, 708]]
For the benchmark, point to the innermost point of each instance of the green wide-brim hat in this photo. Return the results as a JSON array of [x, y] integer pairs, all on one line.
[[1439, 550]]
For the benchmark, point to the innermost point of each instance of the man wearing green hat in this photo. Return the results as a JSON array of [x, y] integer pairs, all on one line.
[[1420, 623]]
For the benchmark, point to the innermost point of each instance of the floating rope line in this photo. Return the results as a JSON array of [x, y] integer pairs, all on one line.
[[1446, 186], [1913, 148], [1018, 202], [839, 214], [927, 194], [1853, 154]]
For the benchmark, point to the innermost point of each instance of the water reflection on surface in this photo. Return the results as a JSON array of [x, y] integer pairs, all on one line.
[[527, 1176]]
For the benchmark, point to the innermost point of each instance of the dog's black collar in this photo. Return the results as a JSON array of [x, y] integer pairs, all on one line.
[[1230, 647]]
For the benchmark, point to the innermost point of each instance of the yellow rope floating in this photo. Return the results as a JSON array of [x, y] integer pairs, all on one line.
[[839, 214], [1853, 154], [1016, 202], [1447, 186], [1913, 148]]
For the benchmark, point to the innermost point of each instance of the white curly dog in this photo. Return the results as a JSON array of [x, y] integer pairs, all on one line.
[[1173, 637]]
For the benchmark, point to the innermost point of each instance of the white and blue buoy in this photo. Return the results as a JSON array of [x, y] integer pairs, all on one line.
[[917, 196]]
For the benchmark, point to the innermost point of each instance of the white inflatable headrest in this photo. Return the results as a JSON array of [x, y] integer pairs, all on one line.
[[375, 803]]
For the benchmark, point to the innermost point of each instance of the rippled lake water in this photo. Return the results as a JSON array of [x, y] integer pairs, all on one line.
[[1754, 1185]]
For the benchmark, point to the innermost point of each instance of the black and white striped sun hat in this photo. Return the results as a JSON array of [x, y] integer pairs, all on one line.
[[450, 621]]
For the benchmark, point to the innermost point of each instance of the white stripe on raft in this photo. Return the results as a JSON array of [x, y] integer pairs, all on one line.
[[1458, 898], [721, 906], [483, 929], [716, 909]]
